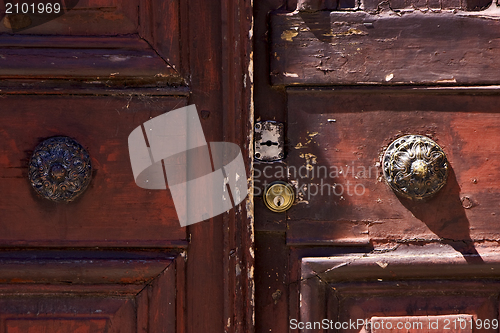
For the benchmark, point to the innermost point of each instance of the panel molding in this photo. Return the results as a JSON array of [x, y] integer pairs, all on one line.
[[115, 61], [410, 280], [132, 291], [119, 44], [386, 48]]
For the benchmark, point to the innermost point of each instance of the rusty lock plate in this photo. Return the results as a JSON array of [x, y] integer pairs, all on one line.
[[269, 141]]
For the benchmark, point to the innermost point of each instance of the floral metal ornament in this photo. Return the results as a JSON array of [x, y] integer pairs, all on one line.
[[60, 169], [415, 167]]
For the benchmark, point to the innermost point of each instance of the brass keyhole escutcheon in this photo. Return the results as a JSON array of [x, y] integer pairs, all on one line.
[[415, 167], [279, 196]]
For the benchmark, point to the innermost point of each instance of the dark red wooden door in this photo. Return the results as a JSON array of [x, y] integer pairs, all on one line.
[[347, 79], [116, 259]]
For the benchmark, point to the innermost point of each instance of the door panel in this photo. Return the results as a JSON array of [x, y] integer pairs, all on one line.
[[343, 47], [91, 291], [95, 74], [342, 194], [409, 283], [111, 40], [113, 210], [347, 79]]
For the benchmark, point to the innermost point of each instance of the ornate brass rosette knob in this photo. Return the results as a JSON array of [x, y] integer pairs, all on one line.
[[415, 167], [60, 169]]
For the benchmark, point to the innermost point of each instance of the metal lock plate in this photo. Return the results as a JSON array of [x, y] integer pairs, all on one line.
[[269, 142], [279, 196]]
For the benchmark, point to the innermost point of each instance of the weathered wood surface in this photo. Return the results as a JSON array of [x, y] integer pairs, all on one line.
[[335, 132], [92, 291], [375, 5], [114, 211], [163, 40], [311, 48], [410, 282], [149, 32], [430, 261], [271, 253], [159, 24], [220, 266], [73, 268], [81, 17], [341, 249], [101, 59]]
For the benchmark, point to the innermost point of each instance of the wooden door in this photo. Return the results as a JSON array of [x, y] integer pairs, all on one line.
[[115, 259], [347, 79]]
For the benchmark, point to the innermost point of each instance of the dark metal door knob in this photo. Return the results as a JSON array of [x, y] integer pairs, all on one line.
[[60, 169]]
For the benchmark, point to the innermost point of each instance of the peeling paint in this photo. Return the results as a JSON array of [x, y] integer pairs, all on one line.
[[161, 75], [310, 159], [350, 32], [251, 273], [116, 58], [288, 35], [313, 134], [308, 141], [447, 81], [249, 201], [382, 264], [300, 194]]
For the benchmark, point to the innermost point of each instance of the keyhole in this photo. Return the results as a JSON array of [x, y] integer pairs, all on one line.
[[269, 143], [279, 200]]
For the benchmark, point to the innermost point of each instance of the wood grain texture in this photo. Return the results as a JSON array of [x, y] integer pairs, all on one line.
[[271, 253], [205, 266], [56, 326], [311, 48], [160, 26], [431, 261], [375, 5], [339, 135], [93, 59], [271, 279], [109, 40], [53, 314], [85, 291], [90, 87], [69, 268], [215, 294], [114, 211], [410, 281], [98, 17], [237, 225], [220, 81]]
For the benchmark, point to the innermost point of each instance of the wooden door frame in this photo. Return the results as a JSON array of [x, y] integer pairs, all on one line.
[[216, 58]]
